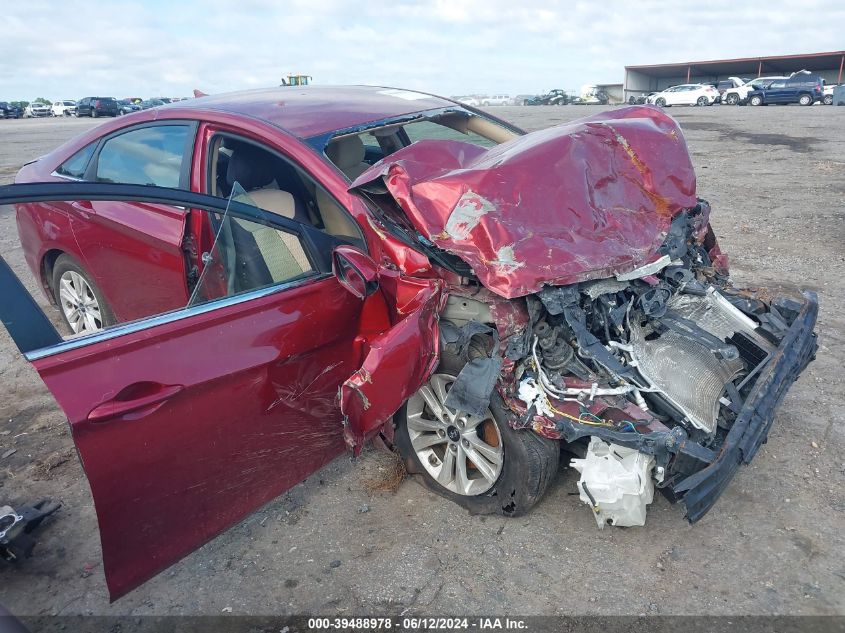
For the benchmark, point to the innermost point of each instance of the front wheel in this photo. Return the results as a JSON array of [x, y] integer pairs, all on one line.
[[756, 100], [732, 99], [702, 101], [479, 462], [660, 102], [94, 114], [828, 100]]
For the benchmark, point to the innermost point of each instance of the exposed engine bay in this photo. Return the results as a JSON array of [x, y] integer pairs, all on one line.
[[644, 374]]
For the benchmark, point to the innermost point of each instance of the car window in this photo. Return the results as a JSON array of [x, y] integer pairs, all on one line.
[[425, 130], [777, 84], [247, 255], [150, 155], [75, 166], [178, 257], [276, 185]]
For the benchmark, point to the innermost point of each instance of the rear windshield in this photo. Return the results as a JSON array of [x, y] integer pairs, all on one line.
[[106, 100]]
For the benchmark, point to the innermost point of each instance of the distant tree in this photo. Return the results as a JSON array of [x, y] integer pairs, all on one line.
[[44, 101]]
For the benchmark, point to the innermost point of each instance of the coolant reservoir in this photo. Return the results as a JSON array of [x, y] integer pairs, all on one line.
[[615, 482]]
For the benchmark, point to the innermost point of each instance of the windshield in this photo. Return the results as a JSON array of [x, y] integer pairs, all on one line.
[[353, 153]]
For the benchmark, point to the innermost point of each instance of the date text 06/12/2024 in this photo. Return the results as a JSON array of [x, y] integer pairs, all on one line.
[[417, 623]]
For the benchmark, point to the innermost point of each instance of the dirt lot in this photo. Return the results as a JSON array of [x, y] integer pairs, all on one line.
[[773, 544]]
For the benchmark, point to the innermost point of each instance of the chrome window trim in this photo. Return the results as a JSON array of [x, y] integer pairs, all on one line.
[[71, 178], [170, 317]]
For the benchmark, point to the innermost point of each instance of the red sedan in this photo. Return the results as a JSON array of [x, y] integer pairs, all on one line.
[[254, 282]]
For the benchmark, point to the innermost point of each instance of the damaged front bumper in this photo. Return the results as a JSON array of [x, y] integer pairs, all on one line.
[[700, 490]]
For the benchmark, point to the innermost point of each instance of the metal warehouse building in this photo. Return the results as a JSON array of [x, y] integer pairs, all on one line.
[[655, 77]]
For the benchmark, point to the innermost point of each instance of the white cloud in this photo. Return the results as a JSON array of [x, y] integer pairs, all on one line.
[[154, 47]]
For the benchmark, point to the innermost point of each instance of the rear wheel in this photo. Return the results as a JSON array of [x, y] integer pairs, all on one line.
[[479, 462], [828, 100], [81, 303], [94, 114], [732, 99], [805, 100], [756, 100]]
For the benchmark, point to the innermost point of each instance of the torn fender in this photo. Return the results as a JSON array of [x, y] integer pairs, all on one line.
[[398, 361], [585, 200]]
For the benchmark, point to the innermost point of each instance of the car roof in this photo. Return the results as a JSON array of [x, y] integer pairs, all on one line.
[[306, 111]]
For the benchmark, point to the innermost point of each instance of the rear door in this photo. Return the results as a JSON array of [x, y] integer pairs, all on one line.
[[135, 249], [188, 420]]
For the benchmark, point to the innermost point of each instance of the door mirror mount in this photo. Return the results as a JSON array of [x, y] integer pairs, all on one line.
[[355, 270]]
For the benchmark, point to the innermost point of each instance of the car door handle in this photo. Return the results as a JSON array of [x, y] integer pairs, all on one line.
[[85, 208], [153, 394]]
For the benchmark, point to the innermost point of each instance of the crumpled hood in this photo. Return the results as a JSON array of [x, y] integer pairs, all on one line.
[[584, 200]]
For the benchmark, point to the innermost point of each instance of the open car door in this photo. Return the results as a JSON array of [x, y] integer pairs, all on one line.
[[187, 421]]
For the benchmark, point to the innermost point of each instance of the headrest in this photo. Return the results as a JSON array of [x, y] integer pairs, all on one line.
[[250, 166], [346, 152]]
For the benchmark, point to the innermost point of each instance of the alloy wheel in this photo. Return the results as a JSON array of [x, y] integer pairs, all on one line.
[[462, 452], [79, 304]]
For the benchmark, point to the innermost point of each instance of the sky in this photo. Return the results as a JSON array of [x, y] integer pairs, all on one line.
[[144, 48]]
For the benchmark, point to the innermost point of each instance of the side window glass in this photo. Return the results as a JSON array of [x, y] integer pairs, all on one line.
[[277, 186], [145, 156], [75, 166], [239, 255]]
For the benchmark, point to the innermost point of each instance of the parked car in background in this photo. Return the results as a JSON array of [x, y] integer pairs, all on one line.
[[9, 111], [802, 87], [63, 107], [150, 103], [250, 297], [827, 97], [640, 99], [125, 106], [496, 100], [685, 94], [739, 94], [97, 107], [37, 109], [521, 99], [727, 85], [470, 101], [553, 97]]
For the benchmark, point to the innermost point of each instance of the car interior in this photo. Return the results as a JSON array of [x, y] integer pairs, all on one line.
[[354, 153], [254, 254]]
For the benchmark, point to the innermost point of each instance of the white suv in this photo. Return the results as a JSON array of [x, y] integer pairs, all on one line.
[[36, 110], [63, 107], [735, 96], [496, 100]]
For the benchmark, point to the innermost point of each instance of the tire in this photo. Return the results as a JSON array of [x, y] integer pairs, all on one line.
[[96, 314], [805, 100], [660, 103], [828, 100], [528, 461], [702, 101], [732, 99], [94, 114], [756, 100]]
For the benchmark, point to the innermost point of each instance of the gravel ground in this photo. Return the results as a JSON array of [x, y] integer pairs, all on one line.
[[772, 545]]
